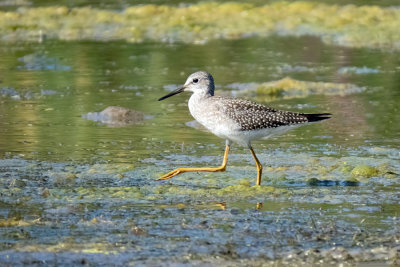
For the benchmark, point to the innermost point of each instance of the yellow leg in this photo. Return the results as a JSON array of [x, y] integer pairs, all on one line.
[[182, 170], [259, 166]]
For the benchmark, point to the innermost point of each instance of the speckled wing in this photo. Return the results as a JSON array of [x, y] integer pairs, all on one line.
[[252, 116]]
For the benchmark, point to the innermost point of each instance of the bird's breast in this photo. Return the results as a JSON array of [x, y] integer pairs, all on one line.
[[212, 116]]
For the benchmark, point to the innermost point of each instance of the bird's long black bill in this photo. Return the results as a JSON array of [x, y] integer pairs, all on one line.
[[175, 92]]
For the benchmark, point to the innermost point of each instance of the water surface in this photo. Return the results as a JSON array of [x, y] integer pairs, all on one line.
[[86, 191]]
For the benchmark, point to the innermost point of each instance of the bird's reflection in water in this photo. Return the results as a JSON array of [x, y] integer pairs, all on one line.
[[223, 205]]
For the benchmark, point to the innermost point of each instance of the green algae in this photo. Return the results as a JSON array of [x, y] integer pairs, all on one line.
[[349, 25], [364, 171], [346, 168], [111, 168], [214, 218], [89, 194], [14, 222], [69, 245], [242, 190], [291, 88]]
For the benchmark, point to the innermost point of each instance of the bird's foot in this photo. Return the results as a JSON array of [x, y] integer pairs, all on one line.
[[171, 174], [182, 170]]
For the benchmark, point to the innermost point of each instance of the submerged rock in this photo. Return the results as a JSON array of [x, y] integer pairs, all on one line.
[[117, 116]]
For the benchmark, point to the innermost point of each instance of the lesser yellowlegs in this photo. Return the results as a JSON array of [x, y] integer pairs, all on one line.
[[235, 120]]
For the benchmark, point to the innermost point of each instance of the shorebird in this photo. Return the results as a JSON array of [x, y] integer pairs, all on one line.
[[235, 120]]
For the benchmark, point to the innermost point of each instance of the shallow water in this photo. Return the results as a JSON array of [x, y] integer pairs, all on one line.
[[77, 191]]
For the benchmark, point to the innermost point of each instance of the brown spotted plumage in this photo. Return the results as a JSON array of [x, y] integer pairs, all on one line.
[[252, 116]]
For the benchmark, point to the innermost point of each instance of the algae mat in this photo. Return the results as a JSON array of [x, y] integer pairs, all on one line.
[[334, 210], [348, 25]]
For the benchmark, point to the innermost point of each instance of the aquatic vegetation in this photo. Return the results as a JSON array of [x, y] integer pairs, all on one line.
[[14, 222], [348, 25], [290, 88], [85, 212], [110, 168], [243, 189], [365, 171], [70, 245], [88, 195]]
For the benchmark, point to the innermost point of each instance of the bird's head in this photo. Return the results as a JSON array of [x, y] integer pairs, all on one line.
[[200, 82]]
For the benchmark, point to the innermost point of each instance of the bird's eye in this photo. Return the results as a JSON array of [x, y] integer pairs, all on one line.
[[195, 80]]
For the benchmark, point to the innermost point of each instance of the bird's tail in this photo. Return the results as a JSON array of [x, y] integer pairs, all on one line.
[[317, 117]]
